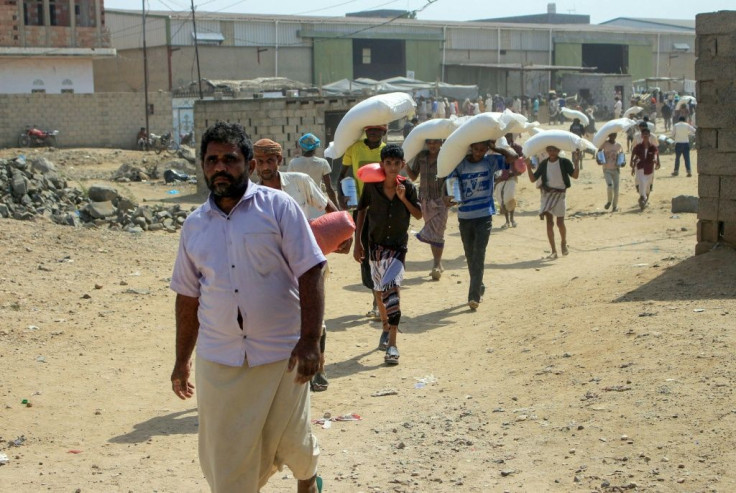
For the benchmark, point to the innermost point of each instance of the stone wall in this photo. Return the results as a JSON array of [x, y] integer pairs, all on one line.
[[84, 120], [715, 71], [283, 120], [602, 88]]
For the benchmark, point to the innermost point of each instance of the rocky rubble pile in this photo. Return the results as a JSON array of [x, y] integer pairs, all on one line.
[[32, 189]]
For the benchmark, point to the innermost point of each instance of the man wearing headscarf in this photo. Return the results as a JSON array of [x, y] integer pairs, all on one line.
[[268, 156], [317, 168]]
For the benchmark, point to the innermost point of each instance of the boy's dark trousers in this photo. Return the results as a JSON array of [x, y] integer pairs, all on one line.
[[475, 234]]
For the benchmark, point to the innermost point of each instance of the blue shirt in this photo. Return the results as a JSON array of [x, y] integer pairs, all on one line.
[[476, 186]]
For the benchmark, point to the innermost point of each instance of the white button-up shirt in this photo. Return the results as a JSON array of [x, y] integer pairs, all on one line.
[[305, 191], [248, 261], [681, 132]]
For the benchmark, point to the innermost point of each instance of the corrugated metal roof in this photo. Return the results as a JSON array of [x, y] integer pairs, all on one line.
[[519, 66], [261, 30], [420, 23], [677, 24]]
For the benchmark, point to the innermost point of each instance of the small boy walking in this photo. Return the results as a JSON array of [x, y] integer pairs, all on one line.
[[555, 173], [389, 205]]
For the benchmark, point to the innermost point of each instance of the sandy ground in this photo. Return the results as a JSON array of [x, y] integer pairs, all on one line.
[[610, 369]]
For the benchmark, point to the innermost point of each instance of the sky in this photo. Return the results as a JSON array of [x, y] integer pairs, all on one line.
[[449, 10]]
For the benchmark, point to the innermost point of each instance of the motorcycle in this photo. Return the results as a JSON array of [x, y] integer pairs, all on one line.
[[33, 136], [160, 143], [187, 139]]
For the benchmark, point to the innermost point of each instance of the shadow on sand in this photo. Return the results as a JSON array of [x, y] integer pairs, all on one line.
[[708, 276], [179, 423]]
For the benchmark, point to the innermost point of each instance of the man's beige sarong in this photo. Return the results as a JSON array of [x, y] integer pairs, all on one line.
[[252, 422]]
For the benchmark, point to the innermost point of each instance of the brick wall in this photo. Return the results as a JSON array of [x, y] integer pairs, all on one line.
[[84, 120], [59, 35], [715, 71], [283, 120]]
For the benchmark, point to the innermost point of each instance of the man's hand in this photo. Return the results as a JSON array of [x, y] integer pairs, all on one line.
[[401, 192], [344, 247], [449, 201], [358, 252], [305, 358], [180, 384]]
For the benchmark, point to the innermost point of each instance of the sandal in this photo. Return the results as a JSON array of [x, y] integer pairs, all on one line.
[[551, 256], [319, 383], [383, 341], [374, 314], [564, 249], [392, 356]]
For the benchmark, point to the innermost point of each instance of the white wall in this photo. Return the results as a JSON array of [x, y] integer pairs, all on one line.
[[17, 75]]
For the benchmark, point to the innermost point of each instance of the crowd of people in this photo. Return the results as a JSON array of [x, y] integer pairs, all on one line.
[[250, 277]]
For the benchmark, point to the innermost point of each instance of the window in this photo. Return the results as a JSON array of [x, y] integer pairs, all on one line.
[[33, 13], [38, 91], [67, 91], [214, 39], [366, 56]]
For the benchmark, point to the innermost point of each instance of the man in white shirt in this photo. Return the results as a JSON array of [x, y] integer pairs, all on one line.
[[617, 107], [681, 133], [317, 168], [250, 297], [555, 173]]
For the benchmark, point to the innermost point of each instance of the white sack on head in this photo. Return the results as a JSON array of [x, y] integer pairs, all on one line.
[[531, 128], [515, 122], [561, 139], [502, 143], [376, 110], [485, 126], [634, 110], [572, 114], [686, 99], [612, 127], [439, 128]]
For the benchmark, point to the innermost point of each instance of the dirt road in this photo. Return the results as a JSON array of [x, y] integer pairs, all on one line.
[[610, 369]]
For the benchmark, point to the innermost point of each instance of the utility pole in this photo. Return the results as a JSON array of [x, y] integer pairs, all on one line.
[[145, 65], [196, 52]]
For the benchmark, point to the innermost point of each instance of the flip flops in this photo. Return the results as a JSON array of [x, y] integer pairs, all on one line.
[[392, 356]]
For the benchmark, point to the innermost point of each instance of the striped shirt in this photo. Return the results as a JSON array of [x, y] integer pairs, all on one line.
[[430, 187], [476, 186]]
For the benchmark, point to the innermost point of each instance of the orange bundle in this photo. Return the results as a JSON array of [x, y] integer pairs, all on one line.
[[331, 229]]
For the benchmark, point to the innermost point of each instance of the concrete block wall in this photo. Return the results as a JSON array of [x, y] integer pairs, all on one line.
[[283, 120], [602, 87], [715, 71], [84, 120]]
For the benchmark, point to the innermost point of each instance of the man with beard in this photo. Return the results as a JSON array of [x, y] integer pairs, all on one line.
[[250, 295], [300, 187]]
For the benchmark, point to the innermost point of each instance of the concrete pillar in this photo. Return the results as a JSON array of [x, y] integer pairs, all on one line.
[[716, 78]]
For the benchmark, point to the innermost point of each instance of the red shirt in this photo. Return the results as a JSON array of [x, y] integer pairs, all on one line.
[[645, 158]]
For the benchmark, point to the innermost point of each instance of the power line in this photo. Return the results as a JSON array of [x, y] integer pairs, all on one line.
[[326, 8]]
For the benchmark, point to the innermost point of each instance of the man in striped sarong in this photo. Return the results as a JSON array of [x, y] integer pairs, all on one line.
[[555, 173]]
